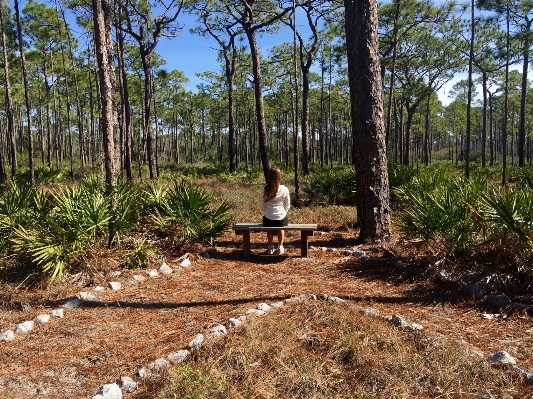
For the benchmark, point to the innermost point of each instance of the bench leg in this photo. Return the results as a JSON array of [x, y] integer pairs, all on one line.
[[304, 235], [246, 242]]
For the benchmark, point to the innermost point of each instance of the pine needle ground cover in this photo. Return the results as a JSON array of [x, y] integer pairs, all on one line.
[[126, 329]]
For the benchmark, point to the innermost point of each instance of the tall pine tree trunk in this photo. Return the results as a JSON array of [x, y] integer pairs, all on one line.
[[26, 94], [102, 19], [366, 97], [10, 119]]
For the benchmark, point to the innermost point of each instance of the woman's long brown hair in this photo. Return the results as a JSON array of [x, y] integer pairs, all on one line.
[[272, 186]]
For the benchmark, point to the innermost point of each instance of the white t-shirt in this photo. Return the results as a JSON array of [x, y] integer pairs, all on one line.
[[277, 207]]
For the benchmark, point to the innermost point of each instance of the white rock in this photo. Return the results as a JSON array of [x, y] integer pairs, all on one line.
[[185, 263], [264, 307], [335, 299], [526, 375], [153, 273], [278, 304], [7, 336], [42, 318], [115, 273], [323, 249], [358, 254], [196, 342], [501, 357], [72, 303], [233, 322], [256, 312], [415, 327], [219, 330], [25, 327], [369, 312], [179, 356], [398, 321], [241, 318], [138, 277], [115, 285], [142, 373], [99, 288], [165, 269], [57, 313], [109, 391], [86, 296], [302, 297], [160, 364], [127, 384]]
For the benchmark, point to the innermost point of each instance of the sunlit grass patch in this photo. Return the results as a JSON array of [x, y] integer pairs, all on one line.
[[316, 349]]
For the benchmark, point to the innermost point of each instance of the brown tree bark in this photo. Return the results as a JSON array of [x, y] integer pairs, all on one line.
[[127, 134], [67, 99], [102, 18], [366, 96], [10, 119], [26, 94], [81, 134]]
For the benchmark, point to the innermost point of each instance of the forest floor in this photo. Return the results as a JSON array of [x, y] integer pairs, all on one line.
[[121, 331]]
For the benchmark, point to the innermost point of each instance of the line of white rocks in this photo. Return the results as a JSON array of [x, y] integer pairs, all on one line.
[[127, 384], [75, 302], [72, 303]]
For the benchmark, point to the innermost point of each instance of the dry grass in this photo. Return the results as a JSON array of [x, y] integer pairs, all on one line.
[[317, 349], [244, 200]]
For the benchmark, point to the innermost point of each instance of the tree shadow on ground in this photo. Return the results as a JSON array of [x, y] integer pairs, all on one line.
[[416, 275], [239, 301]]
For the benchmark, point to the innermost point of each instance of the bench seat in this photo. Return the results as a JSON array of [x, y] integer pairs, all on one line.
[[244, 229]]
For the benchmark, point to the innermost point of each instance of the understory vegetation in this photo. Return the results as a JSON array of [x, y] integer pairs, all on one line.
[[458, 216], [63, 226], [53, 229]]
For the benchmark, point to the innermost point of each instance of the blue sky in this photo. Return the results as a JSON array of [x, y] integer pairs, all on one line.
[[192, 53]]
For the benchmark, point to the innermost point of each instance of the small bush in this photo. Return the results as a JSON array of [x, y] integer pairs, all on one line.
[[187, 214], [510, 213], [77, 218], [443, 212], [334, 186]]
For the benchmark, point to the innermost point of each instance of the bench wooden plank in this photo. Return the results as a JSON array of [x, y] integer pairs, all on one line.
[[244, 229], [260, 227]]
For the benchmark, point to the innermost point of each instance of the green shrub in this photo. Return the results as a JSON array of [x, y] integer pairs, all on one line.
[[400, 175], [129, 198], [18, 207], [187, 215], [510, 213], [77, 218], [334, 186], [445, 214], [140, 256], [153, 197]]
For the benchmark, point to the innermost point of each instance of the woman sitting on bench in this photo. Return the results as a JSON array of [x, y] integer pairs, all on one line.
[[275, 202]]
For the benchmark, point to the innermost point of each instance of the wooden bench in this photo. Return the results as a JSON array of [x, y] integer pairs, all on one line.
[[244, 229]]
